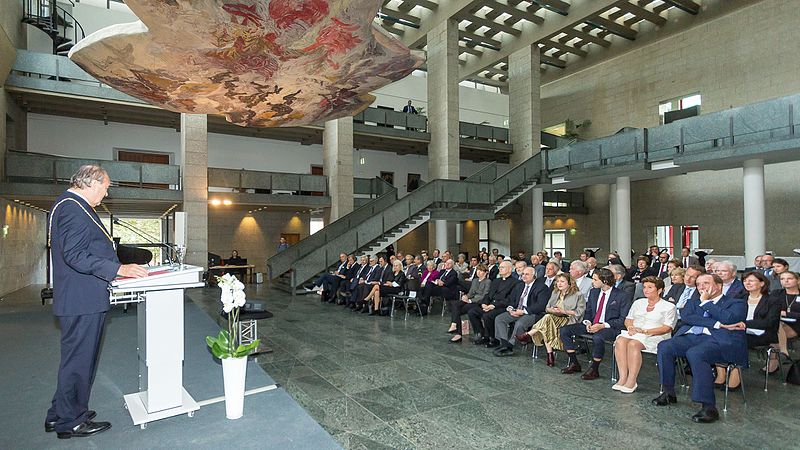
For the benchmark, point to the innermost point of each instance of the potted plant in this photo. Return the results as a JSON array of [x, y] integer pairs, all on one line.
[[226, 347]]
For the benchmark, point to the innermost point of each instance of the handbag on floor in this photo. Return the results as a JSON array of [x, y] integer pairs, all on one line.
[[793, 375]]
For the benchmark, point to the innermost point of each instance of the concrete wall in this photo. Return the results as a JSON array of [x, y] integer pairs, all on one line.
[[739, 58], [255, 235], [23, 255]]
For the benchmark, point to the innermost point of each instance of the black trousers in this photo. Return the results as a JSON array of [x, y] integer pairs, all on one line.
[[80, 347], [483, 322], [459, 308]]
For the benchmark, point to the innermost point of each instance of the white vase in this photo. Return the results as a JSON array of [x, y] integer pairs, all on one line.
[[234, 371]]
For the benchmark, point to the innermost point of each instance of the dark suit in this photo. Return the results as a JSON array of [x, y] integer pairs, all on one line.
[[628, 287], [499, 294], [373, 276], [413, 274], [737, 289], [448, 290], [494, 271], [616, 305], [675, 292], [661, 270], [635, 274], [767, 317], [399, 278], [703, 350], [533, 305], [84, 263]]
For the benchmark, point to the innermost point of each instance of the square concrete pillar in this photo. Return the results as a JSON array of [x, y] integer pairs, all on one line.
[[337, 163], [524, 103], [194, 169], [442, 62]]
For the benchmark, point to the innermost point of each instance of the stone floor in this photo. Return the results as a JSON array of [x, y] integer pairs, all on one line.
[[376, 383]]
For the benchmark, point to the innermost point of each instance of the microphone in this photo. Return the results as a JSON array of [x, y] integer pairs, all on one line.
[[146, 237]]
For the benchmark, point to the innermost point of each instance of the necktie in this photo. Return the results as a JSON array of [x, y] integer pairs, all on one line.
[[697, 329], [600, 305], [768, 272], [524, 297], [686, 262]]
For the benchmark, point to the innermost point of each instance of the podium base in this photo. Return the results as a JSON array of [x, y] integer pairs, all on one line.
[[140, 416]]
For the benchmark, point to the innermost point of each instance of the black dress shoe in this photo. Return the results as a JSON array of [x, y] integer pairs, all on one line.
[[492, 343], [49, 427], [591, 374], [706, 415], [85, 429], [504, 351], [480, 341], [665, 399], [572, 368]]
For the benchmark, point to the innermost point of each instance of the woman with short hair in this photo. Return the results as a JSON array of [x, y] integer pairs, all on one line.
[[393, 286]]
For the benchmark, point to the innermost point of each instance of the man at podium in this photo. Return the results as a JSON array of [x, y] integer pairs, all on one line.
[[84, 263]]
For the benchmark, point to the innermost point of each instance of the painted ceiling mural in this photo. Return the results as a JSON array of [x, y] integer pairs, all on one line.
[[265, 63]]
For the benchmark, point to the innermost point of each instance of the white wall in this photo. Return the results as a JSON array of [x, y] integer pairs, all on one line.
[[82, 138]]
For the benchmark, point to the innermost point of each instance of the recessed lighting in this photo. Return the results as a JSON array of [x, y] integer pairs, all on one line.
[[227, 202], [216, 202]]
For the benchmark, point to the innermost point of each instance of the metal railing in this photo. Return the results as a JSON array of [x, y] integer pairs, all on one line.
[[54, 20], [365, 225], [242, 180], [41, 168]]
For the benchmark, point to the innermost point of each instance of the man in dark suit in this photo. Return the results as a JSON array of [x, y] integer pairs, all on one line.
[[465, 278], [446, 286], [621, 283], [687, 260], [708, 336], [531, 297], [413, 273], [494, 267], [661, 267], [84, 263], [365, 283], [495, 303], [731, 286], [604, 318], [352, 283]]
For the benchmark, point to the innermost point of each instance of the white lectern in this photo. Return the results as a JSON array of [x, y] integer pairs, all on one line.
[[160, 345]]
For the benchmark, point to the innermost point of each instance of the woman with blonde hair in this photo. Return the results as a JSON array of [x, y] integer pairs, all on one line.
[[566, 307]]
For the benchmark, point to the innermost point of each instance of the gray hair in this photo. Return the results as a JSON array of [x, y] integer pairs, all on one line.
[[580, 265], [617, 269], [397, 263], [729, 264], [429, 263], [83, 178]]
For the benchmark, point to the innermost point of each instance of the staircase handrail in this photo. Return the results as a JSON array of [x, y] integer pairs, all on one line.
[[486, 173], [74, 22], [324, 251], [280, 262]]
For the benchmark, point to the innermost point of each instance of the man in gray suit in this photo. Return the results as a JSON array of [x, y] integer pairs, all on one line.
[[529, 300], [577, 270]]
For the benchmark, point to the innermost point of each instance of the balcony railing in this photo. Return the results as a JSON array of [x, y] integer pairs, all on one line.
[[267, 182]]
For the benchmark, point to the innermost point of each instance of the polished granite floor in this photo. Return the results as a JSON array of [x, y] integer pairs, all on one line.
[[379, 383]]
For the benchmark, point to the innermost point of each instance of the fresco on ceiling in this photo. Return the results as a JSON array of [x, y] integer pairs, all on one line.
[[257, 62]]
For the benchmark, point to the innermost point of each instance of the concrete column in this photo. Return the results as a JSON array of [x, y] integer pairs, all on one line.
[[337, 162], [442, 63], [443, 151], [612, 217], [623, 222], [194, 161], [525, 122], [537, 219], [755, 225]]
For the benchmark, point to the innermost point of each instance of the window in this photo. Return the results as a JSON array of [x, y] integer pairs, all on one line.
[[677, 104], [150, 228], [555, 241], [483, 234], [557, 130], [316, 224], [663, 238], [690, 237]]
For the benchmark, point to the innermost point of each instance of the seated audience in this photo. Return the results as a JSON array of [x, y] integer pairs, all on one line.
[[445, 286], [662, 265], [365, 284], [413, 271], [429, 274], [481, 319], [649, 321], [779, 266], [790, 309], [326, 281], [461, 265], [603, 318], [731, 286], [494, 267], [478, 290], [352, 283], [642, 270], [628, 287], [763, 314], [550, 272], [331, 294], [392, 285], [676, 285], [465, 278], [709, 266], [709, 335], [519, 266], [591, 266], [565, 307], [527, 302], [577, 270], [687, 259]]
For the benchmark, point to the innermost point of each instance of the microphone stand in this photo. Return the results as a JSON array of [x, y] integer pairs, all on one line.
[[147, 238]]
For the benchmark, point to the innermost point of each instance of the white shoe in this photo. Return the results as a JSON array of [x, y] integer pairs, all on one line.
[[308, 289], [617, 387], [627, 390], [317, 288]]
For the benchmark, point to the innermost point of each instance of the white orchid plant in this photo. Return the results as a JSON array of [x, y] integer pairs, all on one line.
[[225, 345]]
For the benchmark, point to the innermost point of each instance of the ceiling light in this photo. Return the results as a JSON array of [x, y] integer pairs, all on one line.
[[216, 202], [227, 202]]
